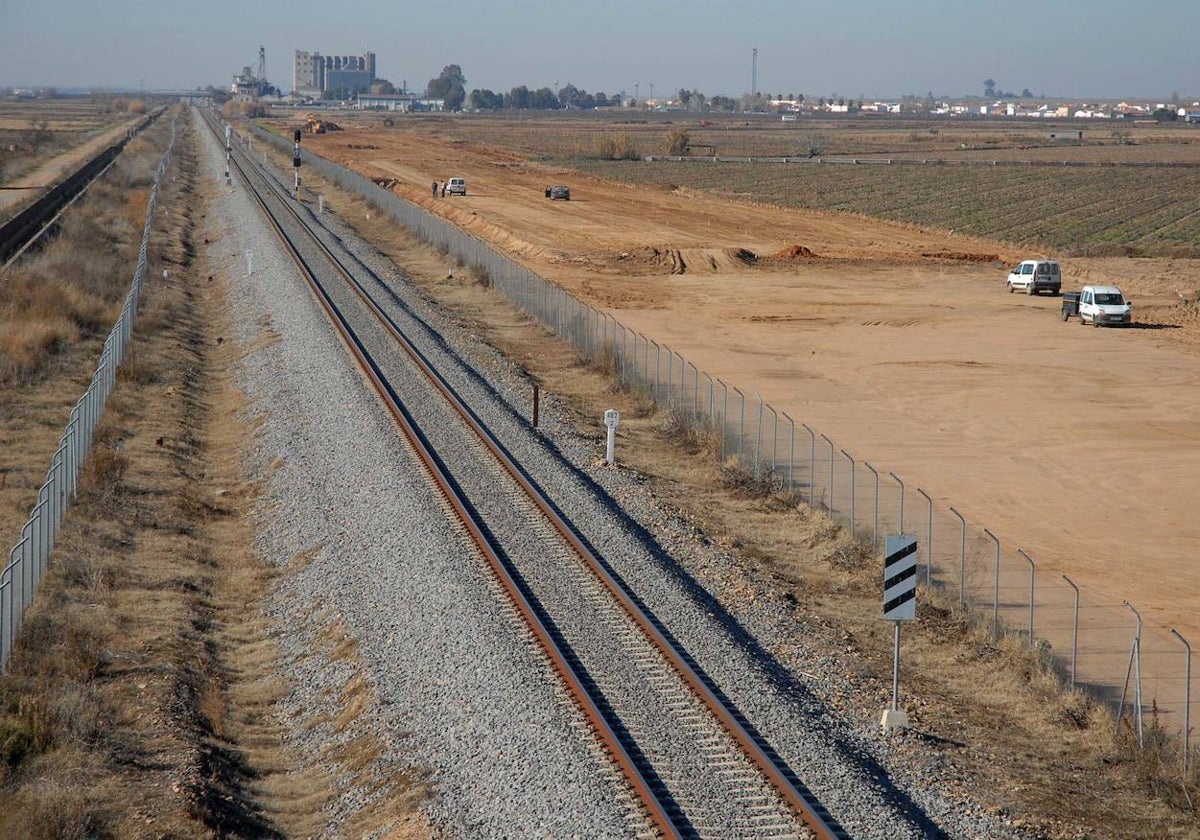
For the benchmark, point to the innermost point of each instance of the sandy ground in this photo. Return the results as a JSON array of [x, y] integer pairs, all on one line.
[[53, 170], [900, 343]]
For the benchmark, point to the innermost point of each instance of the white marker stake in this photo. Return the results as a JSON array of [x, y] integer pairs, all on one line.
[[249, 263], [612, 418], [320, 204]]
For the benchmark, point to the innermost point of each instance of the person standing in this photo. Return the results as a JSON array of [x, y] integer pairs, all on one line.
[[435, 189]]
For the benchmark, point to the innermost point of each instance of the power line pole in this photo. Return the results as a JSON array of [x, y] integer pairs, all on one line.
[[754, 73]]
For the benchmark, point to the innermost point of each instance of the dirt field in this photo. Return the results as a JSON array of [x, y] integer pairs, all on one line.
[[1077, 445]]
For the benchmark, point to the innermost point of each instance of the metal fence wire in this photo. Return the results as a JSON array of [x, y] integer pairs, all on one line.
[[30, 557], [1095, 642]]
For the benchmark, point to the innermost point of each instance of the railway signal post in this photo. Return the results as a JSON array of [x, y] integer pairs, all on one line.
[[228, 153], [899, 605], [296, 161]]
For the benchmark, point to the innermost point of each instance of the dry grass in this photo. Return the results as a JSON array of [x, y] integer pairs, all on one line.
[[72, 289]]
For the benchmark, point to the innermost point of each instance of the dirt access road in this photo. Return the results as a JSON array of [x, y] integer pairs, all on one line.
[[1081, 446]]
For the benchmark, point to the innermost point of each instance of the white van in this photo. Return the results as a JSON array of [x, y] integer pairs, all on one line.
[[1104, 305], [456, 186], [1033, 276]]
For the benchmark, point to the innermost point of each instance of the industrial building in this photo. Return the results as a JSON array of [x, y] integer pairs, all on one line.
[[323, 75], [252, 85]]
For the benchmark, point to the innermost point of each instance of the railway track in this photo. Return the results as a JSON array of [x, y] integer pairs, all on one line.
[[694, 765]]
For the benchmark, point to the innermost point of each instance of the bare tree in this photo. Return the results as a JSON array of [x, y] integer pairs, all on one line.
[[38, 134], [813, 144]]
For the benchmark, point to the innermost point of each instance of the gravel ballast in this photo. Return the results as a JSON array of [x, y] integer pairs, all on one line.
[[463, 698]]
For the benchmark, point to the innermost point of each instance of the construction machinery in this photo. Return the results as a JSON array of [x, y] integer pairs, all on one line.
[[318, 125]]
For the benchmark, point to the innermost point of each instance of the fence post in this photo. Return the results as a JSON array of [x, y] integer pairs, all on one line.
[[1074, 629], [758, 433], [1135, 663], [774, 438], [962, 558], [850, 458], [1187, 698], [995, 589], [928, 539], [875, 529], [670, 376], [831, 506], [901, 483], [741, 422], [724, 417], [791, 453], [712, 392], [1032, 572], [812, 465]]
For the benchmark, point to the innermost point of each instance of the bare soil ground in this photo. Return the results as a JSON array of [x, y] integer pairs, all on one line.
[[989, 717]]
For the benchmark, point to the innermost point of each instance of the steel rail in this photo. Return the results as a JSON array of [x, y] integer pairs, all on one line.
[[809, 811], [583, 698]]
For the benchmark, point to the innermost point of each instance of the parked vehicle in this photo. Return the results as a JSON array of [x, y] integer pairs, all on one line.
[[558, 191], [456, 186], [1033, 276], [1104, 305], [1070, 304]]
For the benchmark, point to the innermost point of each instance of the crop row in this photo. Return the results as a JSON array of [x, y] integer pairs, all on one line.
[[1066, 209]]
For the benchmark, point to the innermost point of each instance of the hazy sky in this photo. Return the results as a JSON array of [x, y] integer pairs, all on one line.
[[1077, 48]]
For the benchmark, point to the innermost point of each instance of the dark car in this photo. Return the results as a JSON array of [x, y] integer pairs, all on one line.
[[558, 191]]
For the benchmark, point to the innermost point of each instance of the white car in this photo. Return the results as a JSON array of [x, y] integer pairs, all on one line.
[[456, 186], [1033, 276], [1104, 305]]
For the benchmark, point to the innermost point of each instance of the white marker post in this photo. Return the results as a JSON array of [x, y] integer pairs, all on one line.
[[612, 419], [899, 604], [249, 263], [320, 204]]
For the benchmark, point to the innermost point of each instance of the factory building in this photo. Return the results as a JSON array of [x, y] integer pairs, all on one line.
[[320, 75]]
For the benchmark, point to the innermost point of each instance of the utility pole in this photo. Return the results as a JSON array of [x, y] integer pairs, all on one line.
[[754, 73]]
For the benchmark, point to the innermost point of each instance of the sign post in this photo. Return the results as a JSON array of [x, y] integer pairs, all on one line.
[[612, 418], [899, 604]]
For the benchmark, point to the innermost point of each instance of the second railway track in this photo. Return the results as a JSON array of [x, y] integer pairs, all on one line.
[[695, 765]]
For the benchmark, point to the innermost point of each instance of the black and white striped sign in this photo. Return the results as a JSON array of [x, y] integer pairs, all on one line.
[[900, 577]]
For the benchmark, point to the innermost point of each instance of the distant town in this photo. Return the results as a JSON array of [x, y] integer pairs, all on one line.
[[350, 81]]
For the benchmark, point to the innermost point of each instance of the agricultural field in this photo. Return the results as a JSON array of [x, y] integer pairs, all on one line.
[[1117, 211], [1138, 195], [33, 131]]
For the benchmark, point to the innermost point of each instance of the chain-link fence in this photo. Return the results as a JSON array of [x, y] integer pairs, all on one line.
[[1100, 645], [29, 558]]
